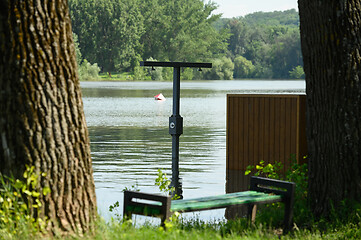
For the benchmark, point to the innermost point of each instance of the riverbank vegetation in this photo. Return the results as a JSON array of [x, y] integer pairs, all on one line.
[[17, 222], [113, 36]]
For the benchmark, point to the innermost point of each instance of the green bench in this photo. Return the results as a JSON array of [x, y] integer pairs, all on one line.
[[262, 190]]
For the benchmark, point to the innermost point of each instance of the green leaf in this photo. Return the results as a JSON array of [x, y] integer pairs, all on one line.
[[27, 192], [46, 191], [35, 194], [18, 184]]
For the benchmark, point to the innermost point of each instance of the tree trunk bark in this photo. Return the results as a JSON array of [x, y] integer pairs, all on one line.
[[42, 121], [331, 47]]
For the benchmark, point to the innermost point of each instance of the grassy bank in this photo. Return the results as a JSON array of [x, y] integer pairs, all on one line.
[[195, 229], [239, 229], [17, 222], [115, 77]]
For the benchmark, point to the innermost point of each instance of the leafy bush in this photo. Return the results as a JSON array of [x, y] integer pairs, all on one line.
[[243, 68], [222, 69], [167, 73], [139, 74], [187, 74], [156, 73], [163, 184], [88, 71], [20, 205], [297, 73], [297, 173]]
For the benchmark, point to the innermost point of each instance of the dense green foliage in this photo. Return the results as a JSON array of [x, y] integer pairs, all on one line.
[[17, 197], [270, 41], [20, 206], [109, 31], [298, 174], [117, 34], [87, 71]]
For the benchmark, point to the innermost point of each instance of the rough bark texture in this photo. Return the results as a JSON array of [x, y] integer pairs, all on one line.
[[42, 120], [331, 46]]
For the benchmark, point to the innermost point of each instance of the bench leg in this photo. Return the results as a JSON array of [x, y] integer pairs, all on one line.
[[126, 214], [166, 213], [252, 210], [287, 222]]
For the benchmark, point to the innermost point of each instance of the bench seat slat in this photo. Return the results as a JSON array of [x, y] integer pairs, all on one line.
[[221, 201]]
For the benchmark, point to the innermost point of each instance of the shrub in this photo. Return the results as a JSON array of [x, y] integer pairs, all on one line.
[[140, 74], [243, 68], [297, 73], [222, 69], [297, 173], [88, 71], [20, 205]]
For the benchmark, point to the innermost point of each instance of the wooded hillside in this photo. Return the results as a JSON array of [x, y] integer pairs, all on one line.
[[117, 34]]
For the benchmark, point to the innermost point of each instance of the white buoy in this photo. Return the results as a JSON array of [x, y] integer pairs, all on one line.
[[159, 97]]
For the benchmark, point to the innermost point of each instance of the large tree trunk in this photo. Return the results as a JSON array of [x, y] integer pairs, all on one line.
[[331, 46], [42, 120]]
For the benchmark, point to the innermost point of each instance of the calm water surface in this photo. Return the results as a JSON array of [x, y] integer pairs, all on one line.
[[130, 141]]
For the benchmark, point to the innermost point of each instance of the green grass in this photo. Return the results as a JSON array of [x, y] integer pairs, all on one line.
[[125, 76], [198, 229], [342, 223], [238, 229], [115, 76]]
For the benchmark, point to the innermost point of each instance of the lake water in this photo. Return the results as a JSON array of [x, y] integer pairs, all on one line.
[[130, 141]]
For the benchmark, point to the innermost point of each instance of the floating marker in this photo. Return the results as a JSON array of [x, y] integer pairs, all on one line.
[[159, 97]]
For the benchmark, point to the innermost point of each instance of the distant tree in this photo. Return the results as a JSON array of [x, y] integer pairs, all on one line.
[[286, 18], [331, 46], [155, 73], [181, 30], [222, 69], [285, 53], [87, 71], [269, 40], [42, 121], [297, 73], [78, 55], [109, 32], [240, 37], [243, 68]]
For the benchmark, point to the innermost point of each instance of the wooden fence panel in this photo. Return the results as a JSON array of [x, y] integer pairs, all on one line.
[[265, 127]]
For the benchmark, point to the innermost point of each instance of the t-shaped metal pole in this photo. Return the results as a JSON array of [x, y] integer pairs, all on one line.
[[176, 121]]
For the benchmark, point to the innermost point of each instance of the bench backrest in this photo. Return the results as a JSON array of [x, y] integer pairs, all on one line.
[[278, 187]]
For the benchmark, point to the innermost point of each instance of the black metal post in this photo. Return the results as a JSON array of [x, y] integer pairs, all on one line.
[[176, 129], [175, 121]]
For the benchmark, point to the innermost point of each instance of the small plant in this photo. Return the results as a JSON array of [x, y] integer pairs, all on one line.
[[270, 170], [114, 207], [163, 183], [20, 202], [297, 173], [134, 187]]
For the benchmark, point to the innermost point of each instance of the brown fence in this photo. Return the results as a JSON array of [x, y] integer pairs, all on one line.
[[265, 127]]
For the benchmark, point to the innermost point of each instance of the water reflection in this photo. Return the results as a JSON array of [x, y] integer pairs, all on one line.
[[126, 156], [130, 141]]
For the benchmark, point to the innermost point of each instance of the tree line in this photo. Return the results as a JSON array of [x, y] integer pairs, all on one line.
[[117, 34]]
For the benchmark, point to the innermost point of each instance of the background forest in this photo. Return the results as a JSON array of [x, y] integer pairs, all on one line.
[[112, 36]]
